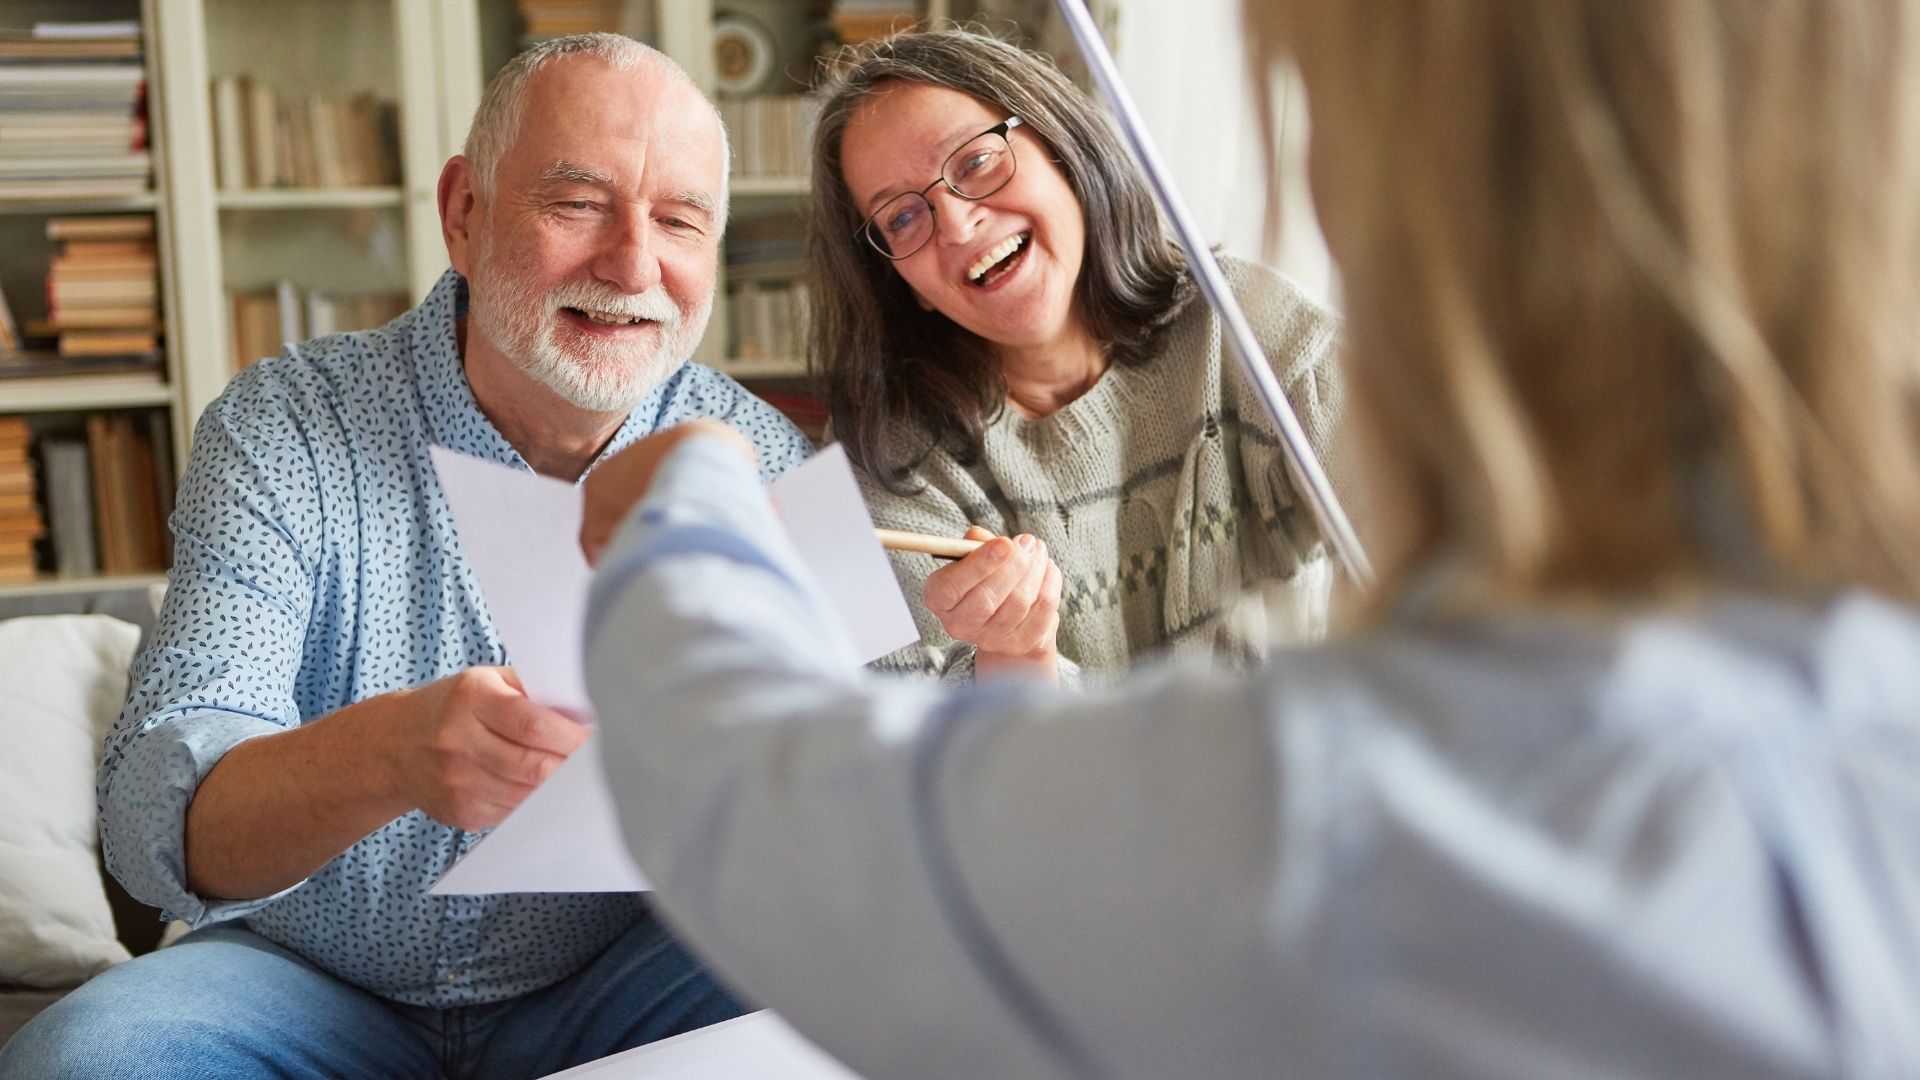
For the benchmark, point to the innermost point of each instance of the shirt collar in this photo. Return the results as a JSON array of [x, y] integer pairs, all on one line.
[[453, 417]]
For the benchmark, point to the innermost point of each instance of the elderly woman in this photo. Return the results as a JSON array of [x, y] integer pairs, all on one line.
[[1622, 782], [1010, 345]]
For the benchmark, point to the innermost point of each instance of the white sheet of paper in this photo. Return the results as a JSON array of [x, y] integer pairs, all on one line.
[[827, 520], [521, 533], [757, 1046]]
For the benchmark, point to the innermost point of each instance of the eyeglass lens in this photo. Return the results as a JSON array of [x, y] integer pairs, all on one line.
[[975, 171]]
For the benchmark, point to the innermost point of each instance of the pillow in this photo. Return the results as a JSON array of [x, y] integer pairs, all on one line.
[[63, 679]]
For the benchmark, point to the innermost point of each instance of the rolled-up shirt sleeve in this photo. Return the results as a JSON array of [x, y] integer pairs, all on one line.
[[221, 665]]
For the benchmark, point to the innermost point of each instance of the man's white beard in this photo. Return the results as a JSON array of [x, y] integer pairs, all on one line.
[[599, 376]]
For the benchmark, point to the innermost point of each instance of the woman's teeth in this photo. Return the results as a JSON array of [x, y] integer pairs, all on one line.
[[992, 258]]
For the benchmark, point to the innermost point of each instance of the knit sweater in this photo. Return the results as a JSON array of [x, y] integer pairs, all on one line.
[[1162, 493]]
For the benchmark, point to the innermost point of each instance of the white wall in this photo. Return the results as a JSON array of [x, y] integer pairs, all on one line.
[[1185, 62]]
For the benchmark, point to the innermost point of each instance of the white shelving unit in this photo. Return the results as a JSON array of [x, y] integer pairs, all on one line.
[[421, 54], [59, 403]]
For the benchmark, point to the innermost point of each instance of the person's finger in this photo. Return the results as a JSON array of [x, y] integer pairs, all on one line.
[[985, 598], [950, 584], [1042, 623], [513, 768], [1013, 609], [978, 532], [521, 721]]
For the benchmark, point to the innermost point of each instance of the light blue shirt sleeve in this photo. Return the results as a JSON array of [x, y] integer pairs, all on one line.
[[1509, 849], [195, 696]]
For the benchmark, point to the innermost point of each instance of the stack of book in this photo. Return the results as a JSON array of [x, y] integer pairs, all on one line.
[[72, 112], [266, 139], [771, 135], [20, 523], [870, 20], [103, 295], [109, 494], [266, 320], [131, 466], [543, 19]]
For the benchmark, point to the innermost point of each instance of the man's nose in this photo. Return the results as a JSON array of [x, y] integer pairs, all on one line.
[[626, 259]]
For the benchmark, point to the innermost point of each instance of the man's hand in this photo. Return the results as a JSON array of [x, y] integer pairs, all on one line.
[[1004, 598], [621, 481], [477, 746]]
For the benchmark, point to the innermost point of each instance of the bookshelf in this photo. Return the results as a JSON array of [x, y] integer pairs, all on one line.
[[109, 392], [318, 129], [325, 233]]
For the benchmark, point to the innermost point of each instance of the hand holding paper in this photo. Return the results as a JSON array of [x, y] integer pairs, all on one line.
[[622, 480], [522, 534]]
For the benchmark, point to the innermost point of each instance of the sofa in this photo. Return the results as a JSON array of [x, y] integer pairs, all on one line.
[[63, 661]]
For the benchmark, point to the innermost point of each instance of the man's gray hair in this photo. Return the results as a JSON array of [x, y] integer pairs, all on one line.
[[497, 120]]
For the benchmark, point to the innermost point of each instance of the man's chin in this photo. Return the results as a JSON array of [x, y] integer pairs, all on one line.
[[600, 384]]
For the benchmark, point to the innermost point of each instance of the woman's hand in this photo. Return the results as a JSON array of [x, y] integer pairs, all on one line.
[[621, 481], [1004, 599]]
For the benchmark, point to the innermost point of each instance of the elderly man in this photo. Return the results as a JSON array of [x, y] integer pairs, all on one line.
[[323, 721]]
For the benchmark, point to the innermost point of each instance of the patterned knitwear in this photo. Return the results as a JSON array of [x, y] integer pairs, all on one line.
[[1162, 493]]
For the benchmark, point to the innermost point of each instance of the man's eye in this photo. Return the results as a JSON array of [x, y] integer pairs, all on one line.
[[576, 204]]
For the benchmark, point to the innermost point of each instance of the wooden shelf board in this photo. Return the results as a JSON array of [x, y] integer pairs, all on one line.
[[62, 393], [54, 585], [87, 205], [770, 186], [306, 198], [778, 368]]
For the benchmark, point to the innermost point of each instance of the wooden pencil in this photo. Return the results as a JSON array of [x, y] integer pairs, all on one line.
[[940, 547]]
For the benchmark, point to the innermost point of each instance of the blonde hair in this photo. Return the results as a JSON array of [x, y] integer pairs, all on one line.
[[1634, 285]]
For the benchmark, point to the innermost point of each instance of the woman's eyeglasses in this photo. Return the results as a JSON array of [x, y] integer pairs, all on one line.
[[980, 167]]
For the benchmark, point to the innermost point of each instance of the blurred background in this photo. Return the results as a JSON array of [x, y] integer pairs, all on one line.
[[187, 184]]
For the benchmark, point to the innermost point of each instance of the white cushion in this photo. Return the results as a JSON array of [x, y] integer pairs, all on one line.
[[63, 679]]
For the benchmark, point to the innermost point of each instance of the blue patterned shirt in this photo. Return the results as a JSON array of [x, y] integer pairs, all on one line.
[[316, 565]]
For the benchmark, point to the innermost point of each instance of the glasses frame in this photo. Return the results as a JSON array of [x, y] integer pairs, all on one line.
[[1004, 129]]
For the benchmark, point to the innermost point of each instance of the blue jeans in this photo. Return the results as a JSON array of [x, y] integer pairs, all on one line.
[[226, 1002]]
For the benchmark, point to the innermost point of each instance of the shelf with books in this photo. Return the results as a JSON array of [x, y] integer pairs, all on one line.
[[314, 131], [87, 251], [84, 495]]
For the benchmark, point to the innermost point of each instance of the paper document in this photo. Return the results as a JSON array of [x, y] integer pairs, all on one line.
[[521, 534], [757, 1046]]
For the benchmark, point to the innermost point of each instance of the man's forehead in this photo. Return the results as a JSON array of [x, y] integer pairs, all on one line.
[[586, 97]]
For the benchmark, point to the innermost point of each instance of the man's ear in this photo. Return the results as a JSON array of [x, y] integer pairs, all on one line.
[[458, 216]]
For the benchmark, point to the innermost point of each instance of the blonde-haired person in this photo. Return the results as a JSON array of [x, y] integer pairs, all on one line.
[[1011, 345], [1623, 780]]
